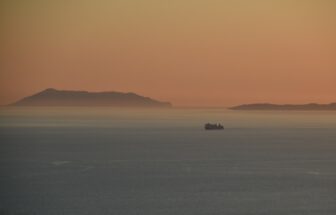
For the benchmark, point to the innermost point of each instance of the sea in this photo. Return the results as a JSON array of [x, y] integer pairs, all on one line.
[[97, 161]]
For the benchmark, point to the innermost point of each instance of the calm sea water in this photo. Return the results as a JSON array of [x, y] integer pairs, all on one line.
[[69, 161]]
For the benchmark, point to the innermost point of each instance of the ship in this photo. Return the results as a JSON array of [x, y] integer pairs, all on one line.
[[215, 126]]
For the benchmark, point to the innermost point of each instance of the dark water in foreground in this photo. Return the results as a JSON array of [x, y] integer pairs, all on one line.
[[130, 162]]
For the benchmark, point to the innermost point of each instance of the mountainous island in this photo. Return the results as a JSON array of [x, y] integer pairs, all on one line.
[[267, 106], [53, 97]]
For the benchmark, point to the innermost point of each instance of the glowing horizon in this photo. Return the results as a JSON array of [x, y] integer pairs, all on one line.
[[190, 53]]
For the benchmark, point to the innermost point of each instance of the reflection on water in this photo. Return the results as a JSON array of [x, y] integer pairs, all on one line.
[[110, 117], [114, 161]]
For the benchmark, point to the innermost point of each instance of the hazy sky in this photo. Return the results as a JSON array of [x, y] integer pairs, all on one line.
[[189, 52]]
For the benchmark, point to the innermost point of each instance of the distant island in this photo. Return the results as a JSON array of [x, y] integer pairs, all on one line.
[[267, 106], [53, 97]]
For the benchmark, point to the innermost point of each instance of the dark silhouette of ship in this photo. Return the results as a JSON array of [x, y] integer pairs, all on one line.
[[215, 126]]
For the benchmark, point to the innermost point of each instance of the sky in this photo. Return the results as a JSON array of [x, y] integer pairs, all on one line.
[[188, 52]]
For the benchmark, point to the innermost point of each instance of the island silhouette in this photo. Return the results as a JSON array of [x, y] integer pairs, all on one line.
[[268, 106], [54, 97]]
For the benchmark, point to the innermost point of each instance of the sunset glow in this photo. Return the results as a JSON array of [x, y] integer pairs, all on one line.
[[188, 52]]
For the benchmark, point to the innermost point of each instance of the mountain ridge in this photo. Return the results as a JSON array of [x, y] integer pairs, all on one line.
[[54, 97]]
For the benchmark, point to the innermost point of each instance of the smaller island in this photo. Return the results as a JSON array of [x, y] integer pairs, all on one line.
[[286, 107], [54, 97]]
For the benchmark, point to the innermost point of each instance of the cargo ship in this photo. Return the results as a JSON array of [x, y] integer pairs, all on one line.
[[215, 126]]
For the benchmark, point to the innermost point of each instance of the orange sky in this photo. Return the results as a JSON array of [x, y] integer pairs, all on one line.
[[189, 52]]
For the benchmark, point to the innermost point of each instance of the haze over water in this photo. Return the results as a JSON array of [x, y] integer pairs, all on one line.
[[127, 162]]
